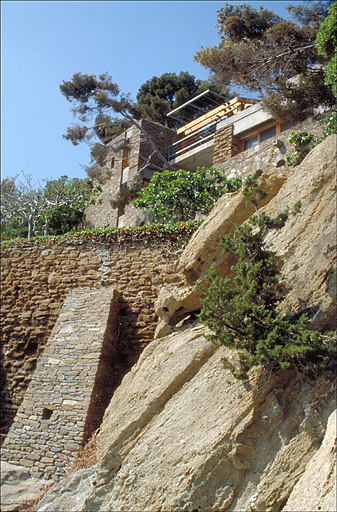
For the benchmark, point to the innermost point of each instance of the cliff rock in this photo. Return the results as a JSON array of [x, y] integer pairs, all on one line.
[[306, 246], [18, 488], [181, 434]]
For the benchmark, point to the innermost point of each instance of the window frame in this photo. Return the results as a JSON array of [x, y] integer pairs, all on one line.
[[257, 133]]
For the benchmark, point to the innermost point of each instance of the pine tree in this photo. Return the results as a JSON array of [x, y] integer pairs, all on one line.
[[243, 314]]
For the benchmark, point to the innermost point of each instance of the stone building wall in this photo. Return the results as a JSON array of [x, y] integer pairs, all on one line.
[[119, 182], [35, 281], [265, 153], [71, 386], [226, 145]]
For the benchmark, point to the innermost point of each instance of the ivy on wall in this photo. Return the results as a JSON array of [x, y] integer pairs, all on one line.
[[173, 235]]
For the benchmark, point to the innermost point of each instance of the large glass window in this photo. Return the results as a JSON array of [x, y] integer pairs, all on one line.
[[266, 134], [253, 141]]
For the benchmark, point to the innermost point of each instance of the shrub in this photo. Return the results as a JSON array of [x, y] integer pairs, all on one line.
[[303, 143], [179, 196], [243, 313]]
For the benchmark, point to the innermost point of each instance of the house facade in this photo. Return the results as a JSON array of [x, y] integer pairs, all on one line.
[[210, 131]]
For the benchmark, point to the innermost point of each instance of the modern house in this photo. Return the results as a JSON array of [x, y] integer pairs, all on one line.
[[215, 135], [210, 131]]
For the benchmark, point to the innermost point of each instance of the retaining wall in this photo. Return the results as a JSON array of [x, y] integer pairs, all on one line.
[[35, 282]]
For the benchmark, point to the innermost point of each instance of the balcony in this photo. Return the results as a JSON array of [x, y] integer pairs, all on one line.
[[196, 138]]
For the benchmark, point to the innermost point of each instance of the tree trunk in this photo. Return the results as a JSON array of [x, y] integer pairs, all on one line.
[[46, 225], [30, 226]]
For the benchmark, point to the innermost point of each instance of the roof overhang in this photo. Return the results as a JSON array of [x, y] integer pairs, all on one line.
[[201, 104]]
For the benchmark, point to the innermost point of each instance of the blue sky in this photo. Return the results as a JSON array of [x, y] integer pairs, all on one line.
[[44, 43]]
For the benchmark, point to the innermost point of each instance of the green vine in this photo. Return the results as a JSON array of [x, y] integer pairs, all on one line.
[[173, 235], [304, 142]]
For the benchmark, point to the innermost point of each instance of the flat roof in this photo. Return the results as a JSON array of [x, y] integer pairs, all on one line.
[[204, 102]]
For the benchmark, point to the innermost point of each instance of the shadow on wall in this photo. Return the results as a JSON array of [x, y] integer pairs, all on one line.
[[118, 356]]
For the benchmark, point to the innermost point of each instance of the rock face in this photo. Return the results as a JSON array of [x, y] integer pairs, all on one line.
[[18, 487], [316, 489], [306, 245], [71, 493], [182, 434]]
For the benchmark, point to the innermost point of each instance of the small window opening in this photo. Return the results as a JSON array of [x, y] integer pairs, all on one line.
[[112, 163], [46, 413]]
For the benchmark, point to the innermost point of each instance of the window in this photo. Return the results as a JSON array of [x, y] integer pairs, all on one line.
[[263, 135], [126, 154], [266, 134], [112, 162], [253, 141]]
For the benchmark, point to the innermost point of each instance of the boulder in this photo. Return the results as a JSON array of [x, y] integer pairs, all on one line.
[[18, 488], [69, 494], [173, 305]]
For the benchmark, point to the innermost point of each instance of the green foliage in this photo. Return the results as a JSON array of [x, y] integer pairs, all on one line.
[[14, 228], [271, 57], [63, 220], [165, 235], [178, 196], [303, 143], [108, 127], [326, 42], [100, 98], [330, 124], [157, 96], [251, 191], [243, 21], [242, 313], [60, 202]]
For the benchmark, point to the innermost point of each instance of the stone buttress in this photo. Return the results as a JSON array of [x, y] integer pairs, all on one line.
[[70, 388]]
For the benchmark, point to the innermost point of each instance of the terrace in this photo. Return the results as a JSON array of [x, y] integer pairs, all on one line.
[[198, 119]]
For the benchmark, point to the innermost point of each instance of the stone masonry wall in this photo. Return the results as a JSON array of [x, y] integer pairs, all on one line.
[[71, 386], [117, 180], [35, 281], [225, 145], [112, 179], [264, 154]]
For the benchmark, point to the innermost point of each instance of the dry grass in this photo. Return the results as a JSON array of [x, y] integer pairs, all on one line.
[[87, 455]]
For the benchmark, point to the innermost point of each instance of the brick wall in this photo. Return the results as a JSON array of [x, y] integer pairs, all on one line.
[[35, 282]]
